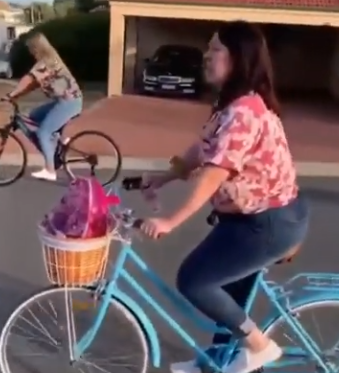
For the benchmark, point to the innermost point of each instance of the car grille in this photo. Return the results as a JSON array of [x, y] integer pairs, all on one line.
[[169, 79]]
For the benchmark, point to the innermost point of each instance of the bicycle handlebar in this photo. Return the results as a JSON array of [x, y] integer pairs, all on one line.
[[11, 102], [134, 183], [128, 184]]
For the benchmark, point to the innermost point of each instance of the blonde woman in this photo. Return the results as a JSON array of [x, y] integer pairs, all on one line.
[[51, 75]]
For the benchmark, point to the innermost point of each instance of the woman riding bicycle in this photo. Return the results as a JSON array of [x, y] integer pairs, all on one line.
[[247, 172], [56, 81]]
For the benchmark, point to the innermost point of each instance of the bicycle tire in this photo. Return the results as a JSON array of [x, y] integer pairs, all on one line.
[[128, 314], [4, 136], [299, 310], [113, 144]]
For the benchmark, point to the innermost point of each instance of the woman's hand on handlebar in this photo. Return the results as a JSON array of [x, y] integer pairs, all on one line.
[[155, 227], [6, 98], [143, 182]]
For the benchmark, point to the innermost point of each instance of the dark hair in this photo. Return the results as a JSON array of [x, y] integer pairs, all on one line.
[[252, 68]]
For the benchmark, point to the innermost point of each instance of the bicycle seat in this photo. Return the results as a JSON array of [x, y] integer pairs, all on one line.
[[289, 256]]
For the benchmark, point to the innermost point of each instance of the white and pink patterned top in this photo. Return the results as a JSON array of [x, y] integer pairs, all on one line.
[[249, 141]]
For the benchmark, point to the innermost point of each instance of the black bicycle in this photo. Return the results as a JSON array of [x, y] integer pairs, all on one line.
[[68, 153]]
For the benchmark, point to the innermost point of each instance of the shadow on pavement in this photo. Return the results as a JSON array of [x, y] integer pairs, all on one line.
[[12, 293]]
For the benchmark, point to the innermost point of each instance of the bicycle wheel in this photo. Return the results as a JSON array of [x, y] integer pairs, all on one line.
[[82, 150], [327, 340], [36, 338], [14, 156]]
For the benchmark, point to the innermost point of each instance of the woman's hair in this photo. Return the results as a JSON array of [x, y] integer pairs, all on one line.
[[251, 65], [45, 52]]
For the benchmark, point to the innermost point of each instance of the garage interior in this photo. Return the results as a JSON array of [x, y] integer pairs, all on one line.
[[302, 56]]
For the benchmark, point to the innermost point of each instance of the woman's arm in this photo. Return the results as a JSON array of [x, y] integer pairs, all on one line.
[[223, 154], [183, 166], [209, 180], [180, 169], [25, 85]]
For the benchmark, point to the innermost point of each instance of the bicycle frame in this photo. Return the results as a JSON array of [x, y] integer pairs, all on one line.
[[275, 293], [18, 122]]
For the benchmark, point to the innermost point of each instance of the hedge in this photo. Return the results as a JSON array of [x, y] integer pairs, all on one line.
[[82, 41]]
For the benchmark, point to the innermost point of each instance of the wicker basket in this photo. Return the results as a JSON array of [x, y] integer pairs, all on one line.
[[74, 262]]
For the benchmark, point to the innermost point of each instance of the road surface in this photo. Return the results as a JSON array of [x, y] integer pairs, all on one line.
[[22, 271]]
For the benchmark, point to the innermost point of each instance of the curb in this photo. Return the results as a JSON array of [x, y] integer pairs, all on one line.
[[310, 169], [10, 82]]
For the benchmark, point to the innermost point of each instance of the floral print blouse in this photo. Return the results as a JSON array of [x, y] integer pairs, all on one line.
[[56, 82], [249, 141]]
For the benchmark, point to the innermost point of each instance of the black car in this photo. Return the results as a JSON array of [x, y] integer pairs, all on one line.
[[175, 70]]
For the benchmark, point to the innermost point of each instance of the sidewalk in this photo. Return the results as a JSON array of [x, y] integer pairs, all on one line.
[[151, 130], [158, 128]]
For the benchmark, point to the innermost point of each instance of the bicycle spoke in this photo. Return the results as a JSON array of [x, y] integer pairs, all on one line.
[[94, 149], [44, 333], [316, 319]]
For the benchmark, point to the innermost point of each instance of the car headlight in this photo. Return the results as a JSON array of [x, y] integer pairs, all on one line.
[[187, 80], [149, 78]]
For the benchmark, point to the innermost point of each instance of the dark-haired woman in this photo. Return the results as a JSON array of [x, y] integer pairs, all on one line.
[[247, 172]]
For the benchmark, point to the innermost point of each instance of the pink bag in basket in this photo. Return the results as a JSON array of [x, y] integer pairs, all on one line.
[[83, 211]]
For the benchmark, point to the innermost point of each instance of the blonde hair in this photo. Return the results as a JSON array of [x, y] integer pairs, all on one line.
[[44, 52]]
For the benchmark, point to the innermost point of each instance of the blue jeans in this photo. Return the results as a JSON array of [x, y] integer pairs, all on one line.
[[51, 117], [229, 258]]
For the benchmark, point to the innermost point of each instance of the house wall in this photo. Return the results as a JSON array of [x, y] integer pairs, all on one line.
[[12, 16]]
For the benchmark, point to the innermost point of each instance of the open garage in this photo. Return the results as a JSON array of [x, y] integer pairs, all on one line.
[[305, 59], [303, 42]]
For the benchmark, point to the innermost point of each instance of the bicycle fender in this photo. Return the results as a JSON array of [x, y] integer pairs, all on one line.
[[145, 324], [311, 297]]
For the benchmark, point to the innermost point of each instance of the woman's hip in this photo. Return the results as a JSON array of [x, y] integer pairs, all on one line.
[[240, 245], [273, 231], [72, 104]]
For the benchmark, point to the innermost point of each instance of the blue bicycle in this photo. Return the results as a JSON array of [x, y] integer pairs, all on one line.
[[105, 329]]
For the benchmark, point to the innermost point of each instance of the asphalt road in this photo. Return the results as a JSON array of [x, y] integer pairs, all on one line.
[[22, 270]]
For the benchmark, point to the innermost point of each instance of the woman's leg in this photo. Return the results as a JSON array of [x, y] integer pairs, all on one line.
[[38, 114], [240, 292], [58, 115], [232, 251], [219, 261]]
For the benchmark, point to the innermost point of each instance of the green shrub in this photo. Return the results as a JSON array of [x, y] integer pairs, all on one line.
[[82, 41]]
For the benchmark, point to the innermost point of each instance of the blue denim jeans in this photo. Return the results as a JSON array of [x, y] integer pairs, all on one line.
[[231, 256], [51, 117]]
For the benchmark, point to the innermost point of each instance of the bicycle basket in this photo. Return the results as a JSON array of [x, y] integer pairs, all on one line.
[[74, 262]]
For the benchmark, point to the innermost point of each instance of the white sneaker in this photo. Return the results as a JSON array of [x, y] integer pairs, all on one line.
[[185, 367], [247, 361], [44, 175], [66, 140]]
